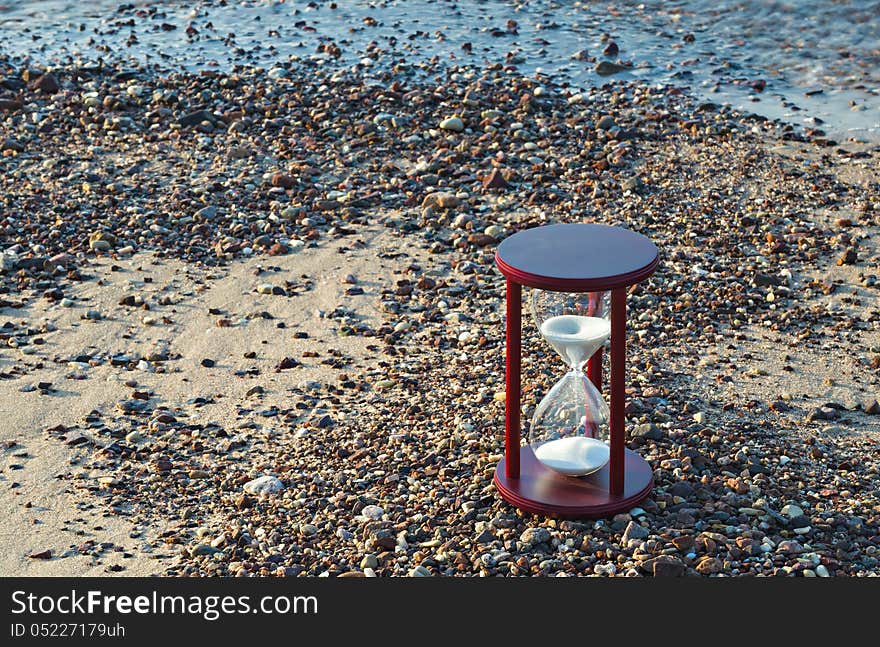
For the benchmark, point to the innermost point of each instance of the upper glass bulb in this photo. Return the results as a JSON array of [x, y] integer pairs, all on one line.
[[574, 324]]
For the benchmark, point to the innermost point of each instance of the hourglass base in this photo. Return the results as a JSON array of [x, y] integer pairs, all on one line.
[[541, 490]]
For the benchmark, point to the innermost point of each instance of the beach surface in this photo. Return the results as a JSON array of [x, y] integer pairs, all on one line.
[[251, 323]]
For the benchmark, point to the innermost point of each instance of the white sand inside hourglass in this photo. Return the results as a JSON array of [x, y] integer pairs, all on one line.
[[575, 337], [574, 456]]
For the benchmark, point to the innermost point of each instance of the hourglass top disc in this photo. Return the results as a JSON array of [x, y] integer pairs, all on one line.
[[577, 257]]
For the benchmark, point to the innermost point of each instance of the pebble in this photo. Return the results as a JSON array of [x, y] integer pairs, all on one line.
[[534, 536], [373, 512], [441, 200], [308, 530], [607, 68], [605, 123], [454, 124], [634, 531], [608, 569], [792, 511], [648, 430]]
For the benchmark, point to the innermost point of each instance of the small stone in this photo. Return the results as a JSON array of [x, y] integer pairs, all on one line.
[[647, 430], [789, 547], [381, 539], [534, 536], [849, 257], [631, 184], [198, 474], [10, 144], [607, 68], [265, 288], [455, 124], [239, 152], [47, 84], [799, 521], [683, 544], [100, 246], [441, 200], [634, 531], [792, 511], [10, 105], [605, 123], [283, 180], [668, 567], [204, 549], [41, 554], [681, 489], [195, 118], [737, 485], [94, 315], [369, 561], [608, 569], [208, 363], [373, 512], [495, 180], [308, 530], [482, 240], [709, 565], [264, 485], [822, 571], [206, 213], [485, 537], [420, 571]]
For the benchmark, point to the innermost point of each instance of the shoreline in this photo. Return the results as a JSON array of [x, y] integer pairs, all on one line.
[[384, 453], [813, 78]]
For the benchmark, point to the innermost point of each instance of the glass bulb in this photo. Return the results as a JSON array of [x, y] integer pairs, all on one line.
[[569, 429]]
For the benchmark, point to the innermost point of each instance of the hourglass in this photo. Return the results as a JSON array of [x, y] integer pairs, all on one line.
[[569, 429], [574, 462]]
